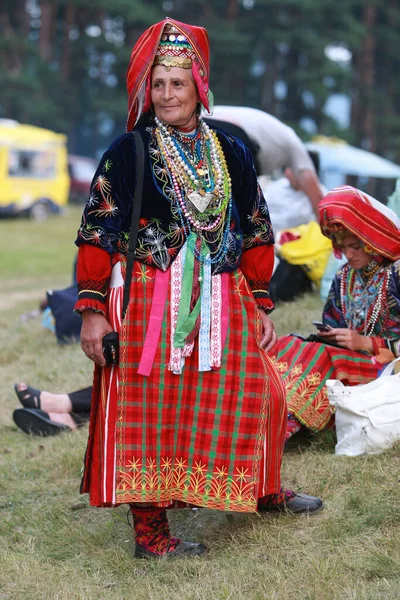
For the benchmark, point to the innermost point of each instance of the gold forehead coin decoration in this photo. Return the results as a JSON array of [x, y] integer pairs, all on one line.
[[173, 61]]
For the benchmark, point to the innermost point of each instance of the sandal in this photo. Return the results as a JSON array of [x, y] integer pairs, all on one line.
[[29, 397], [37, 422]]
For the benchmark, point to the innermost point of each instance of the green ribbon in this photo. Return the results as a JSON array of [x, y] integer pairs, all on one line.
[[186, 320]]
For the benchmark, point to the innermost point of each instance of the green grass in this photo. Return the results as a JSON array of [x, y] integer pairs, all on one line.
[[54, 546]]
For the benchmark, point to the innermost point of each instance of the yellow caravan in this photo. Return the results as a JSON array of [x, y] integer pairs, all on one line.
[[33, 170]]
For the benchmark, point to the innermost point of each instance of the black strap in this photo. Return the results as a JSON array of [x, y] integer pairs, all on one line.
[[137, 203]]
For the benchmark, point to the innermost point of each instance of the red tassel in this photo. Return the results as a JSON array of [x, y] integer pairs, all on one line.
[[147, 97], [202, 86]]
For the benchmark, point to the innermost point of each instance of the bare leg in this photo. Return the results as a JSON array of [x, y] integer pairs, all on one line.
[[63, 418], [55, 402], [47, 401]]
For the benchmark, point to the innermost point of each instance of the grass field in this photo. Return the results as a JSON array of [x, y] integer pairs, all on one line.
[[54, 546]]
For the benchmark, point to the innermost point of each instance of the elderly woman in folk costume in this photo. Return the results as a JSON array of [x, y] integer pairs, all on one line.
[[362, 311], [195, 412]]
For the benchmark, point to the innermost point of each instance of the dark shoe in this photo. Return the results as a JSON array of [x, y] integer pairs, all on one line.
[[37, 422], [182, 549], [296, 504], [29, 398]]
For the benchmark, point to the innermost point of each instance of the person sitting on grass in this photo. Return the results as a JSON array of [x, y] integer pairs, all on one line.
[[362, 312], [45, 413]]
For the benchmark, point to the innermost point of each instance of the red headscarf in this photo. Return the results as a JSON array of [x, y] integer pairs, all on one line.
[[142, 59], [350, 209]]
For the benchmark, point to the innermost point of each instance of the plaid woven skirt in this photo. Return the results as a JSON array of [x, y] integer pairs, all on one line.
[[206, 438], [306, 366]]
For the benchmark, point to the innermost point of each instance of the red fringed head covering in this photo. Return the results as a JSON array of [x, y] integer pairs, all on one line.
[[347, 209], [170, 43]]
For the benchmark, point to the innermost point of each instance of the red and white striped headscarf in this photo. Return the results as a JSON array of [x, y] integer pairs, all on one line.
[[151, 48], [350, 209]]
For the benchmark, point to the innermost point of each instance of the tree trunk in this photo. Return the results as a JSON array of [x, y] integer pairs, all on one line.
[[46, 30], [268, 100], [369, 78], [66, 56], [293, 103], [232, 10], [356, 98]]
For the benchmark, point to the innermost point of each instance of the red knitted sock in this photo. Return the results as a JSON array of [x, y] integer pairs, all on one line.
[[292, 427], [152, 530], [272, 500]]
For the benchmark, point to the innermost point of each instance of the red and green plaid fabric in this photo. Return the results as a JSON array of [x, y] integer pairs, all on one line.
[[211, 439], [306, 366]]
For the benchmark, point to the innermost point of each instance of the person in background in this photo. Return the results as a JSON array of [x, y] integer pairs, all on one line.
[[334, 263], [45, 413], [195, 413], [361, 315], [288, 205], [278, 147]]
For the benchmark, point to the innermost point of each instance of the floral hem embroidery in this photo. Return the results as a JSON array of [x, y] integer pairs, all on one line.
[[173, 480]]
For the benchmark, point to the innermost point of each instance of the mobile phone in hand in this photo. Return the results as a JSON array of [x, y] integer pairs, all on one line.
[[321, 326]]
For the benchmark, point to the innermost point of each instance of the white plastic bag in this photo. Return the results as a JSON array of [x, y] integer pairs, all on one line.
[[367, 416]]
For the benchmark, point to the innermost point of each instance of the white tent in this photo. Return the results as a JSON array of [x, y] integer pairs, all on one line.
[[338, 159]]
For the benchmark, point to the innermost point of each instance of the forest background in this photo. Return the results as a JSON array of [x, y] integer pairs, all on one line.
[[323, 66]]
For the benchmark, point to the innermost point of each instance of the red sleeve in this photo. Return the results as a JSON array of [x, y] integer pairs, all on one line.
[[257, 265], [377, 344], [93, 278]]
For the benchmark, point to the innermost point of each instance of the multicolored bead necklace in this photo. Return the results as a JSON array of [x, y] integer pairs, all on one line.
[[199, 175], [363, 297]]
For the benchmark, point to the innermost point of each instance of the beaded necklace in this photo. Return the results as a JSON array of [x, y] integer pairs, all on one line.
[[363, 296], [199, 176]]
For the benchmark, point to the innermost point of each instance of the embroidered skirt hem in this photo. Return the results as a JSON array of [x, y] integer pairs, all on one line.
[[306, 366]]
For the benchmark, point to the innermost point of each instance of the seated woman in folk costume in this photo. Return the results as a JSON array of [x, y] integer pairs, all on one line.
[[362, 310], [195, 412]]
